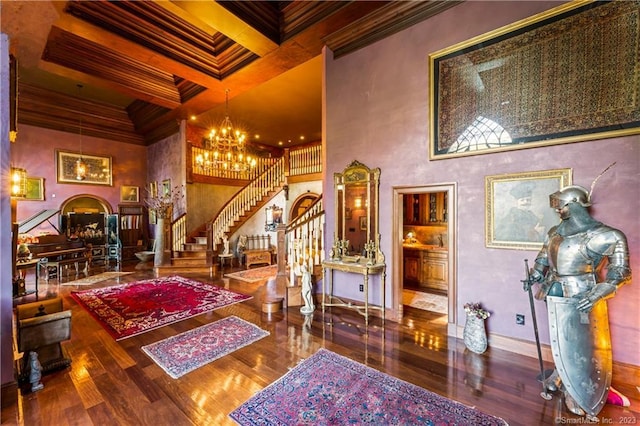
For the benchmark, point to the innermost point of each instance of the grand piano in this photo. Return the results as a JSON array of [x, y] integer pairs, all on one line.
[[55, 252]]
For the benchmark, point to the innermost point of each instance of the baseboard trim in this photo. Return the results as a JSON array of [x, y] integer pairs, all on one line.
[[527, 348]]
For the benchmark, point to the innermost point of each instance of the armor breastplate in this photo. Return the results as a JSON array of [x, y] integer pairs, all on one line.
[[567, 255]]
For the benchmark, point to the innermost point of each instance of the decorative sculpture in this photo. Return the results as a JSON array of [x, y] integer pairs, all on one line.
[[568, 269], [35, 372], [307, 295]]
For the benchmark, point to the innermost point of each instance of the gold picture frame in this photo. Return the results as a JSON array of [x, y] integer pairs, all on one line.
[[524, 85], [35, 189], [98, 168], [166, 188], [153, 189], [512, 221], [129, 194]]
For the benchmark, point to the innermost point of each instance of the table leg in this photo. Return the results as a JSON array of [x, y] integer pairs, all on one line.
[[366, 298]]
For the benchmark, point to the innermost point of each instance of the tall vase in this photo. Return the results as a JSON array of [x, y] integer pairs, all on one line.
[[475, 334], [158, 256]]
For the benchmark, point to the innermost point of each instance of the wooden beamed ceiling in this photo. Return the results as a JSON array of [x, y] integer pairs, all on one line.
[[170, 60]]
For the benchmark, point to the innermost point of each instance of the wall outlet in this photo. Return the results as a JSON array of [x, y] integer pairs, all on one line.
[[520, 319], [361, 287]]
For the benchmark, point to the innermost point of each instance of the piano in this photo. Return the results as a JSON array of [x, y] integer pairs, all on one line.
[[56, 252]]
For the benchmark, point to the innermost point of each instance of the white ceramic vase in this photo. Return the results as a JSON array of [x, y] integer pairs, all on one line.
[[158, 256], [475, 334]]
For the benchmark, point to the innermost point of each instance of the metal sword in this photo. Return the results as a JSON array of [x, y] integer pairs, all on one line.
[[544, 394]]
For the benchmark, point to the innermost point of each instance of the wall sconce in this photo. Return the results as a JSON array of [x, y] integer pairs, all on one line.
[[273, 219], [18, 182], [357, 203]]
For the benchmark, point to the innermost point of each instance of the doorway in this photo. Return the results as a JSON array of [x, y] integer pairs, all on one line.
[[424, 249]]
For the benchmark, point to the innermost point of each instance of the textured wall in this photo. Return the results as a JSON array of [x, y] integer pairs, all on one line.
[[35, 151], [377, 110]]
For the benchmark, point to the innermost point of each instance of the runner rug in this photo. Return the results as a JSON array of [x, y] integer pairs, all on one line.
[[96, 278], [425, 301], [328, 388], [130, 309], [185, 352], [253, 275]]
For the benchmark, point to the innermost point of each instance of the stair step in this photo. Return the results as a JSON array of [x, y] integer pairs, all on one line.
[[185, 269], [194, 247], [191, 253], [188, 261]]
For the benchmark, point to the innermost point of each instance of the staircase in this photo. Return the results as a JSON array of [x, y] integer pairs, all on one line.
[[197, 253]]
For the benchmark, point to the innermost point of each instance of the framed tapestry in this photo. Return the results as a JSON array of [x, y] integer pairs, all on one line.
[[517, 211], [98, 168], [565, 75]]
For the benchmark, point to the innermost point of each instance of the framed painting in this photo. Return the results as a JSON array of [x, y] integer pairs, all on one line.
[[363, 223], [525, 85], [153, 189], [517, 211], [129, 194], [98, 168], [35, 189], [166, 188]]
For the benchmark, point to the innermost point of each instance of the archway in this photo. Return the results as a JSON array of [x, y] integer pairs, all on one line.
[[85, 203]]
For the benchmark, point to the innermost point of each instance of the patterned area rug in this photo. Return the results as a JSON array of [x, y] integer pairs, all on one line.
[[96, 278], [130, 309], [187, 351], [253, 275], [425, 301], [328, 388]]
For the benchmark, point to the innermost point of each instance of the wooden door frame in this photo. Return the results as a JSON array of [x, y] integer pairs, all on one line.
[[451, 189]]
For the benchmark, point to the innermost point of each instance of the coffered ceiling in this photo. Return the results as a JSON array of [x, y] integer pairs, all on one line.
[[145, 65]]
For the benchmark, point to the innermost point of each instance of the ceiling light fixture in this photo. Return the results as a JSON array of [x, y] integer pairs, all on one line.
[[226, 147], [81, 166]]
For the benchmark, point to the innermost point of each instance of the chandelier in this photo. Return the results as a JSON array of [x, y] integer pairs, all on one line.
[[226, 147]]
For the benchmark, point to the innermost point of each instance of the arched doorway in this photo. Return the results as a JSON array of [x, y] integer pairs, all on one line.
[[85, 203], [301, 204]]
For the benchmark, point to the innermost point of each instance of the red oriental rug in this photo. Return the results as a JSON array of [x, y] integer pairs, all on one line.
[[134, 308], [330, 389], [185, 352]]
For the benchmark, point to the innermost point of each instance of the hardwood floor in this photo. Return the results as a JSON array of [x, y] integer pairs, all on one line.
[[115, 383]]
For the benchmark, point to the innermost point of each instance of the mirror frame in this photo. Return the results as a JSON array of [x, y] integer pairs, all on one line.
[[358, 174]]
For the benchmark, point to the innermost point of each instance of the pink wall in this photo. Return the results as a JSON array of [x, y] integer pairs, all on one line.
[[377, 111], [35, 151]]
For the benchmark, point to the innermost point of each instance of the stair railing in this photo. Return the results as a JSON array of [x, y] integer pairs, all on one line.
[[249, 196], [179, 233], [304, 239]]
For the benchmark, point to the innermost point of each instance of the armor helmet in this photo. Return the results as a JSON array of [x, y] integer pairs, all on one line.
[[570, 194]]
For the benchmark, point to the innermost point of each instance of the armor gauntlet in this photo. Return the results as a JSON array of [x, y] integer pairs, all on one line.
[[618, 273]]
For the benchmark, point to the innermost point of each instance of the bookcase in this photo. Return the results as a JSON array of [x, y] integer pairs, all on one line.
[[133, 221]]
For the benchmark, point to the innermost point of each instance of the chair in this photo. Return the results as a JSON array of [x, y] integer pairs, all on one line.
[[41, 326]]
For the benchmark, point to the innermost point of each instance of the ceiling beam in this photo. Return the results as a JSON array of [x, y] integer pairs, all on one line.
[[211, 17], [133, 50]]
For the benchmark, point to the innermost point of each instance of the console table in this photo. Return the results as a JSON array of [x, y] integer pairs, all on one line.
[[363, 269]]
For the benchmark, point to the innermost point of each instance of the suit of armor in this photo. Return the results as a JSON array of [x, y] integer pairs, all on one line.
[[568, 269]]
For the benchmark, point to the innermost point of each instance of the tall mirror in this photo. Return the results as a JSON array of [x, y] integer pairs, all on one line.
[[357, 234]]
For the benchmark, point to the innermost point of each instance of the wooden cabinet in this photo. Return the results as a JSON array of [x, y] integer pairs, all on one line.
[[134, 223], [435, 270], [425, 209], [411, 265]]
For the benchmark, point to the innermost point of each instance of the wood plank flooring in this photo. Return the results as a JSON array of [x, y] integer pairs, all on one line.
[[115, 383]]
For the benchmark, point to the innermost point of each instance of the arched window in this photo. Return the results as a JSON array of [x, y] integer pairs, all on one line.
[[483, 133]]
